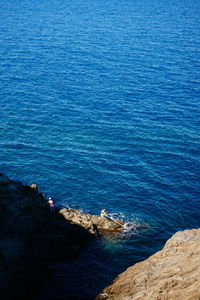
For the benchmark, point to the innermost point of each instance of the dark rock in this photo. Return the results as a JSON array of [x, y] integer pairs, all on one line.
[[32, 239], [3, 179]]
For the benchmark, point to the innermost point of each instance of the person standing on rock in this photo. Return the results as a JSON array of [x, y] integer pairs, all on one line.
[[51, 204], [103, 213]]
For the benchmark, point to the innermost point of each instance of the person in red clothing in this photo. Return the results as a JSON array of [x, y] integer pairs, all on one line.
[[51, 204]]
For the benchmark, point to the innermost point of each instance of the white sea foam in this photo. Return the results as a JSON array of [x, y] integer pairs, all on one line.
[[132, 223]]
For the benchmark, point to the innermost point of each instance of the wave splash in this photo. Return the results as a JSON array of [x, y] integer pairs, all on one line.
[[132, 224]]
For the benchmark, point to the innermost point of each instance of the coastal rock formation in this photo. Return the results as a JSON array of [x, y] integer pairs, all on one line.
[[172, 273], [92, 223], [32, 239]]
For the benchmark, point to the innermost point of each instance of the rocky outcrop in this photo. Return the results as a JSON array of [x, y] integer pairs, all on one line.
[[32, 239], [93, 223], [172, 273]]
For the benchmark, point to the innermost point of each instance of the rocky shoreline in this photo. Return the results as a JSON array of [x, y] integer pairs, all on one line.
[[93, 223], [33, 238], [170, 274]]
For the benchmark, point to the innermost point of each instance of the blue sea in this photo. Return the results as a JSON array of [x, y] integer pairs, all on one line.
[[100, 107]]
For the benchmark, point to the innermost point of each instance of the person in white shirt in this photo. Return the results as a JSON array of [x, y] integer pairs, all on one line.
[[103, 213]]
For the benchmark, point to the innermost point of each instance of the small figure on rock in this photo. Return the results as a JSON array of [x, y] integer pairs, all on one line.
[[51, 204], [103, 213]]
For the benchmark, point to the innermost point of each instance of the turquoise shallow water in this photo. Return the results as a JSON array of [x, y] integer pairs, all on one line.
[[100, 107]]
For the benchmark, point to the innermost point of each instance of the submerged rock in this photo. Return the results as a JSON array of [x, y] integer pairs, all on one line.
[[172, 273], [32, 239], [93, 223]]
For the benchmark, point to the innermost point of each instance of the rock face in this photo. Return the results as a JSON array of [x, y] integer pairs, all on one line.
[[172, 273], [92, 223], [32, 239]]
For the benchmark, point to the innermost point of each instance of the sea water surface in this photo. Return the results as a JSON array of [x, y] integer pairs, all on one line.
[[100, 107]]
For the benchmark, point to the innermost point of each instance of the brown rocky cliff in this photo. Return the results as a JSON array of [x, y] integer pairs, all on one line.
[[171, 274]]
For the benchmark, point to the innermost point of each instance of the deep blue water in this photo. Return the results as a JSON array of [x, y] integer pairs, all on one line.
[[100, 106]]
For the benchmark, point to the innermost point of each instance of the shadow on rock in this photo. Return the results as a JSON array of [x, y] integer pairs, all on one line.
[[32, 239]]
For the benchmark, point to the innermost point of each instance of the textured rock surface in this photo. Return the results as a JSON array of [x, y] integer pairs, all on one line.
[[32, 239], [92, 223], [172, 273]]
